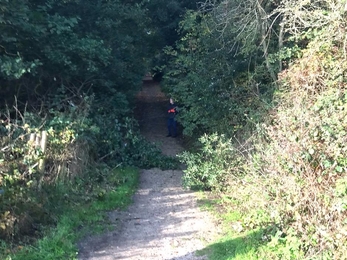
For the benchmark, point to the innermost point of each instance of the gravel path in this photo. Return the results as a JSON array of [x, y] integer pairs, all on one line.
[[164, 222]]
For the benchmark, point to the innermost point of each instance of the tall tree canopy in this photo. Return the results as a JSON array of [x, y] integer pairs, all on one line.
[[270, 78], [49, 43]]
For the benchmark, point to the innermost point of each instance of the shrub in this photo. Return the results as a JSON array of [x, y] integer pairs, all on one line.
[[79, 137], [307, 153], [213, 166]]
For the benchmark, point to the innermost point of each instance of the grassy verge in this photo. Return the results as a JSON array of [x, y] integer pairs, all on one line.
[[240, 242], [78, 216]]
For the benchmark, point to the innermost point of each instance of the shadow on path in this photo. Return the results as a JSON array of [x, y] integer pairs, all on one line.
[[151, 113], [164, 221]]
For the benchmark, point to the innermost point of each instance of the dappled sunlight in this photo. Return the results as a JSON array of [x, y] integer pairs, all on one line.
[[164, 222]]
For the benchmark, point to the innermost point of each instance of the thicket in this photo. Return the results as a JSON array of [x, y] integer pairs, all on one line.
[[263, 88], [70, 68]]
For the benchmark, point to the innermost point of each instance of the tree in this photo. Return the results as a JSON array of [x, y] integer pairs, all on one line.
[[89, 45], [216, 81]]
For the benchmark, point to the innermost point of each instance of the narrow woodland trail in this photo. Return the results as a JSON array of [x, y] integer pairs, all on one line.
[[164, 222]]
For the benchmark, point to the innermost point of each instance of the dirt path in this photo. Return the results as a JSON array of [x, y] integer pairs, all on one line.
[[164, 222]]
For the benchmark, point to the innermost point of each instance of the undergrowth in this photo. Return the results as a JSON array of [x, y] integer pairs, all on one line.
[[77, 209], [287, 179], [86, 142], [247, 234], [290, 190]]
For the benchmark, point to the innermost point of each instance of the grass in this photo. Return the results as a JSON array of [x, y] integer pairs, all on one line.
[[233, 245], [79, 218], [241, 243]]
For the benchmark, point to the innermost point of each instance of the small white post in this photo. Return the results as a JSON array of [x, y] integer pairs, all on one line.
[[43, 145]]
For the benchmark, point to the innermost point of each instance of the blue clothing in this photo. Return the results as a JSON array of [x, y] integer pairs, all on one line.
[[171, 122], [172, 127]]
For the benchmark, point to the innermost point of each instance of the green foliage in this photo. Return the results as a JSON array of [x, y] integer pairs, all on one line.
[[14, 24], [289, 140], [119, 140], [78, 208], [18, 172], [217, 92], [213, 166], [249, 232], [90, 129], [72, 68], [90, 46], [146, 155], [305, 156], [310, 146], [165, 17]]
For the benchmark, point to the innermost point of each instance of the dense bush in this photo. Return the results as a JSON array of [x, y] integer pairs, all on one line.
[[96, 130], [288, 130], [70, 68], [308, 142], [213, 166], [218, 91]]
